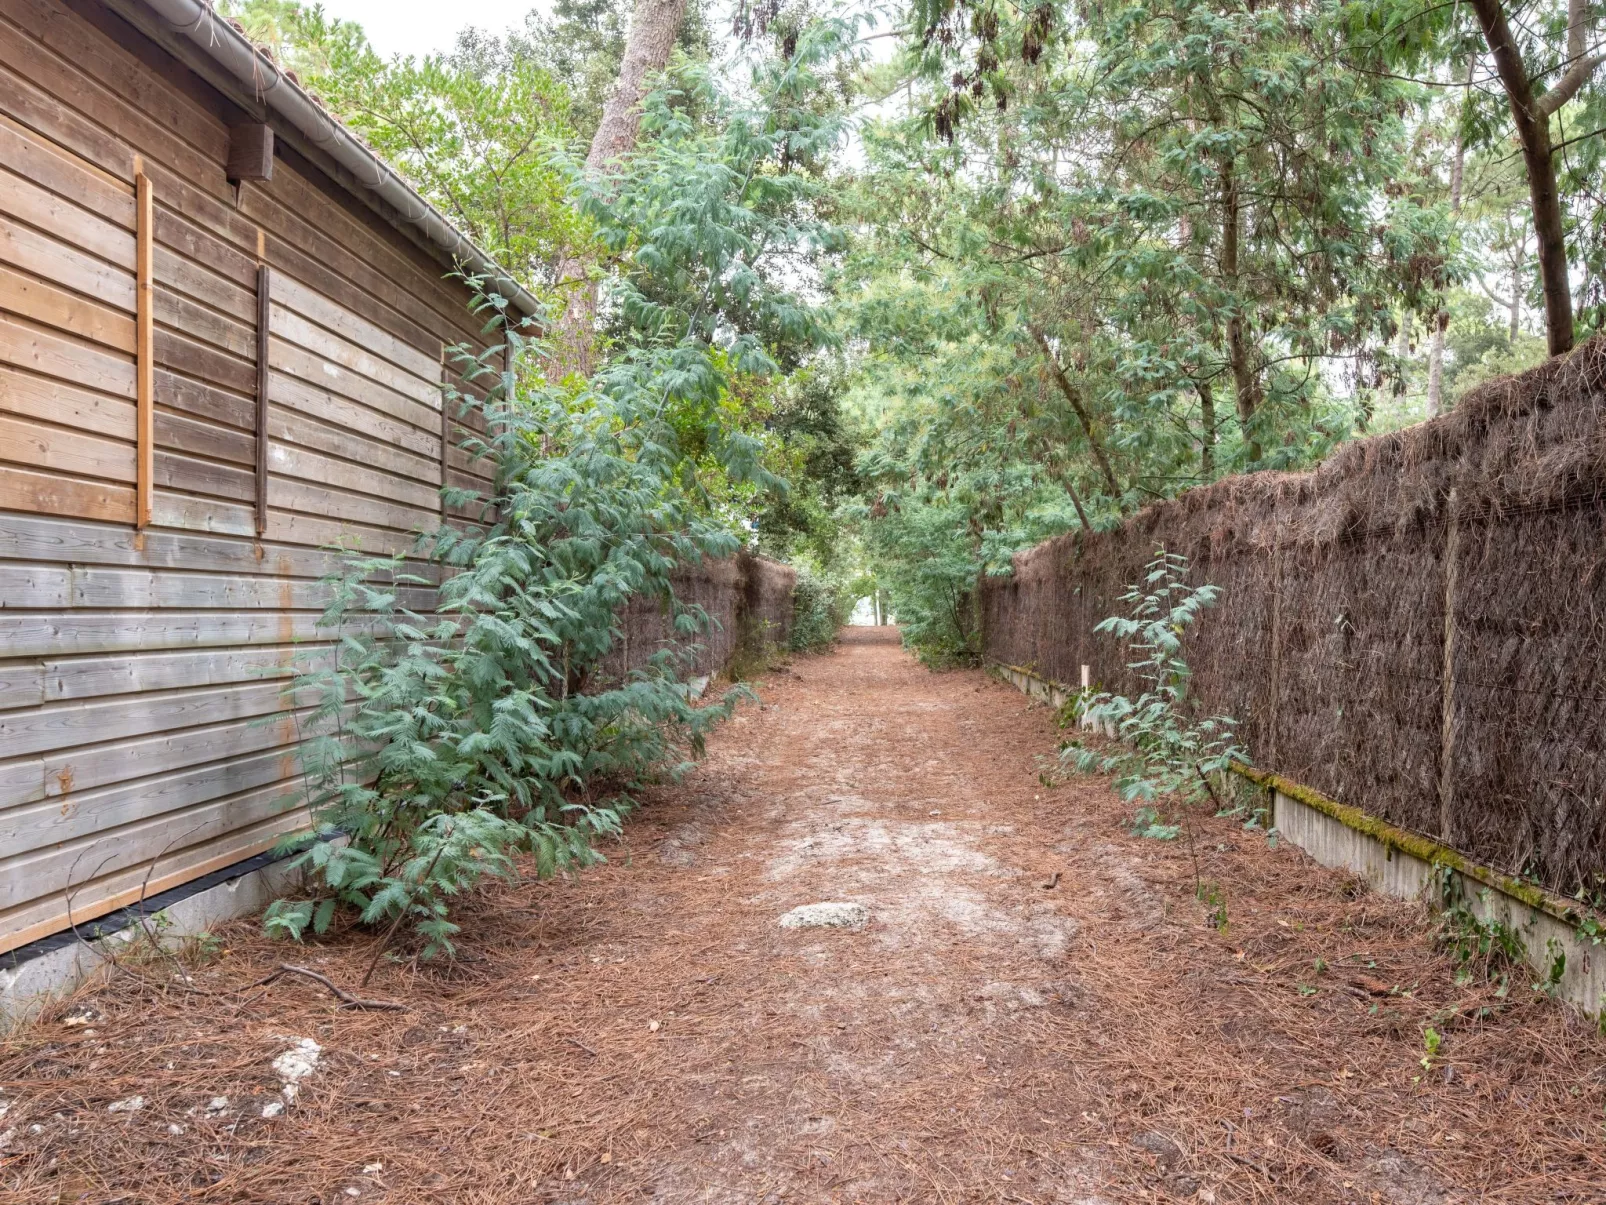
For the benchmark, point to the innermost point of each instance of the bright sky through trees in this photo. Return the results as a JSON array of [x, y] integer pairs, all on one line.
[[421, 27]]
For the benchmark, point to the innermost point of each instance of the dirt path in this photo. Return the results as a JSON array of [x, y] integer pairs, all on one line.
[[650, 1033]]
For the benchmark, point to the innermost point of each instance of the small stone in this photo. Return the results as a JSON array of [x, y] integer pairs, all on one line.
[[129, 1104], [369, 1169], [300, 1061], [174, 1128], [217, 1104], [6, 1138], [353, 1191], [826, 916], [273, 1108]]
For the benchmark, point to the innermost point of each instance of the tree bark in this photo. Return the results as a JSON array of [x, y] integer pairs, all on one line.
[[654, 26], [1519, 261], [1207, 438], [1457, 176], [1075, 399], [1531, 115], [1246, 383]]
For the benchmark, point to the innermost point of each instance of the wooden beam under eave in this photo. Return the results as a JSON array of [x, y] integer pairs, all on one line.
[[144, 350]]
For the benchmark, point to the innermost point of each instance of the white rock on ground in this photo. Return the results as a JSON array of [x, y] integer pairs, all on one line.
[[129, 1104], [826, 916], [295, 1064]]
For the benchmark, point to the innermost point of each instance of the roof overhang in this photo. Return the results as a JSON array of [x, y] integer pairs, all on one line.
[[273, 87]]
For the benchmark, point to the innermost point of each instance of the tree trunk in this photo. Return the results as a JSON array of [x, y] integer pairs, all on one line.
[[1519, 264], [1075, 399], [653, 29], [1532, 120], [1207, 438], [1457, 175], [1246, 384]]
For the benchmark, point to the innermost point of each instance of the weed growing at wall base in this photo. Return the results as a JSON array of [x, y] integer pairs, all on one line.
[[1164, 749]]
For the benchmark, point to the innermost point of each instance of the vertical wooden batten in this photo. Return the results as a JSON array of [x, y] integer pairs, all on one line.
[[264, 322], [144, 347], [446, 431]]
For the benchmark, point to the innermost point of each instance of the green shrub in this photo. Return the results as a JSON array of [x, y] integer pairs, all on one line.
[[818, 613], [442, 745]]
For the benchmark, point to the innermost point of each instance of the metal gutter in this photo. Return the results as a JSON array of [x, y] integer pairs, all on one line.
[[270, 84]]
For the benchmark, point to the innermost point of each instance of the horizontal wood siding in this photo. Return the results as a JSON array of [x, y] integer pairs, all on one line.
[[144, 736]]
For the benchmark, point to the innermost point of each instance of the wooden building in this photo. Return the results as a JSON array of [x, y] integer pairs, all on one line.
[[222, 333]]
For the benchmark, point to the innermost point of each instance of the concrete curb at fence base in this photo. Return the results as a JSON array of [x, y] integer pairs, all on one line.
[[1408, 865], [32, 977]]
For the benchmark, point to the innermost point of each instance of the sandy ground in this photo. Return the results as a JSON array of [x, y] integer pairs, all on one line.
[[649, 1032]]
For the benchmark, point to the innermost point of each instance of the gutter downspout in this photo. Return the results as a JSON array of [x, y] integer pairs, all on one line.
[[231, 50]]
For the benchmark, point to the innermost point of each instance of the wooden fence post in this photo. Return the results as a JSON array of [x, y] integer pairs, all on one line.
[[1452, 541]]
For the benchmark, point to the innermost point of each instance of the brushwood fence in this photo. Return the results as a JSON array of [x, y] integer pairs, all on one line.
[[747, 598], [1417, 627]]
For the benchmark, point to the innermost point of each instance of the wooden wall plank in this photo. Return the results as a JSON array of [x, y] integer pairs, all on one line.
[[51, 493], [106, 892], [27, 396], [90, 98], [56, 726], [377, 483], [314, 306], [21, 686], [71, 224], [26, 587], [50, 354], [338, 417], [85, 813], [195, 475], [135, 845], [28, 296], [291, 327], [67, 175], [180, 433], [65, 451], [86, 767], [49, 634], [289, 493], [94, 677], [154, 589], [43, 538], [205, 402], [319, 373], [194, 513]]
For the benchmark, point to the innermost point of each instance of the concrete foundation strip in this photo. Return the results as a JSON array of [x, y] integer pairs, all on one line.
[[1409, 865]]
